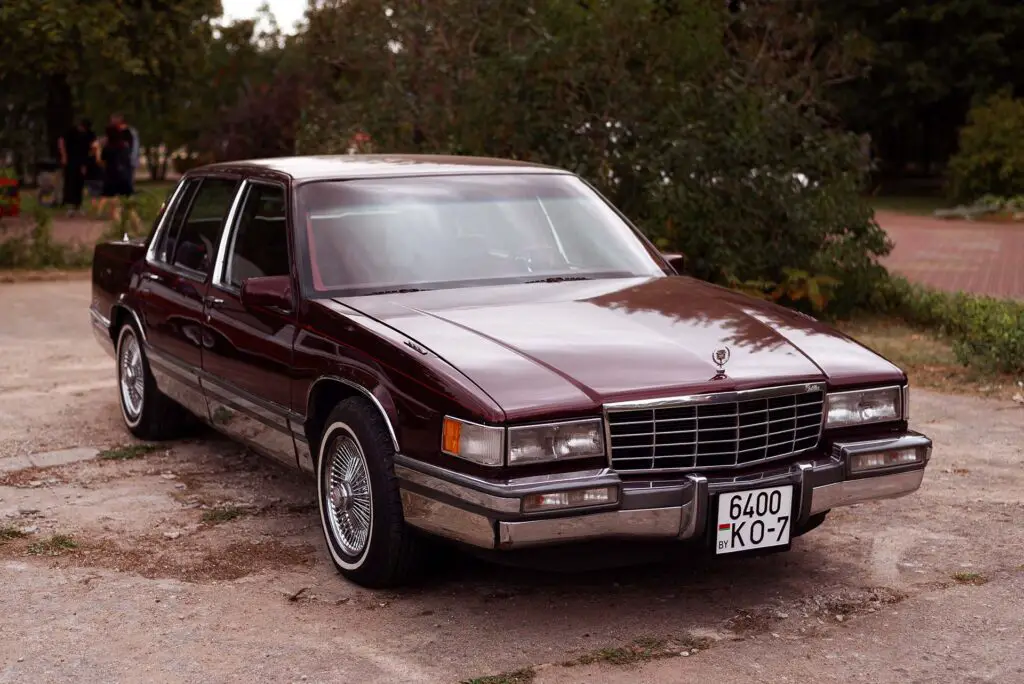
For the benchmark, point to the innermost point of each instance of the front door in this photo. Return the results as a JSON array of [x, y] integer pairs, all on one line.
[[174, 284], [246, 367]]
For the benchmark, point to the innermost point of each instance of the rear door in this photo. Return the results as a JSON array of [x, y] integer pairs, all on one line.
[[247, 365], [174, 285]]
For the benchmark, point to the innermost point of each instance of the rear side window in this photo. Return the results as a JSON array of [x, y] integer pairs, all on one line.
[[175, 217], [199, 232], [260, 243]]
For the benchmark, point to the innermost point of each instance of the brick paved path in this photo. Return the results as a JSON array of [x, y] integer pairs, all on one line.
[[972, 256]]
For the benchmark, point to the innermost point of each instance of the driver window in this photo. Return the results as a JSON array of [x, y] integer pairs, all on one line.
[[260, 243], [200, 233]]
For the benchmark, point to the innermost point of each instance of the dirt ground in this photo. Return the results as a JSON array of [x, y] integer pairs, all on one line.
[[198, 562]]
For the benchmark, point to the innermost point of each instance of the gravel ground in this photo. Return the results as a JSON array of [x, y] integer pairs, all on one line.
[[199, 562]]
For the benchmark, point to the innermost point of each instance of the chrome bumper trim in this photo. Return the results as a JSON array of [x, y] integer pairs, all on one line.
[[851, 492], [645, 523], [488, 513]]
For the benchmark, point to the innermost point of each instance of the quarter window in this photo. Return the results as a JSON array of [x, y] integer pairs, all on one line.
[[197, 236], [175, 217], [260, 243]]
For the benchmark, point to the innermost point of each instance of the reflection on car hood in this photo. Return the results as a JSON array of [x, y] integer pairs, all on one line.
[[574, 345]]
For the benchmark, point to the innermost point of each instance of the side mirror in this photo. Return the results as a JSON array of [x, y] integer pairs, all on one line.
[[268, 292], [676, 261]]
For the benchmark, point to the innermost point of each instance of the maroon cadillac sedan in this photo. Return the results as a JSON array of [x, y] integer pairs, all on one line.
[[488, 352]]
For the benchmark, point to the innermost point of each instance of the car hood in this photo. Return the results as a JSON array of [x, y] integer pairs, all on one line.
[[568, 347]]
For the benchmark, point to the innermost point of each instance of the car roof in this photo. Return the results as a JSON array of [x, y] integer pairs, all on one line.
[[349, 166]]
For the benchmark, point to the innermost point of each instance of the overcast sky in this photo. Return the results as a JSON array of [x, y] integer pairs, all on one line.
[[287, 12]]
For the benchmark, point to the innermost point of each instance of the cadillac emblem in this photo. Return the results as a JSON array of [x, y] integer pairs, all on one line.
[[721, 357]]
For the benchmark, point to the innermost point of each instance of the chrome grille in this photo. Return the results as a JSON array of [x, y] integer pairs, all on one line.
[[726, 430]]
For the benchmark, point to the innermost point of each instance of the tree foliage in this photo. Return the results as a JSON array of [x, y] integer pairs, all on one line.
[[991, 156], [924, 64], [698, 123]]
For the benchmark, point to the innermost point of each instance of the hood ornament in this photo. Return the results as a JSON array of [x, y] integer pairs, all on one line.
[[720, 357]]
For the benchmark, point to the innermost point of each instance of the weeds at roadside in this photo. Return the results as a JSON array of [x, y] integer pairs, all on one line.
[[523, 676], [9, 532], [642, 650], [222, 514], [975, 579], [54, 546], [127, 452]]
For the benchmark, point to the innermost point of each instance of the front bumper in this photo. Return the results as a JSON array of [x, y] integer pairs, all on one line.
[[488, 514]]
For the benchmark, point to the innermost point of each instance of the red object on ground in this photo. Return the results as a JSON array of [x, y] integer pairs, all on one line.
[[10, 200]]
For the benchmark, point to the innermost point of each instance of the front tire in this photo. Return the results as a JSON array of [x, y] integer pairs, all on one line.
[[147, 412], [359, 499]]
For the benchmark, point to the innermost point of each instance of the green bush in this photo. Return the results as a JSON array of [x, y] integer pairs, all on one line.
[[987, 333], [700, 125], [991, 156]]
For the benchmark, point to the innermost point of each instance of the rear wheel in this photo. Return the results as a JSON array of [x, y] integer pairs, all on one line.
[[147, 412], [359, 499]]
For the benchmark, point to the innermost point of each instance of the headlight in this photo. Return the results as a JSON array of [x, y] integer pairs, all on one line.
[[863, 407], [481, 444], [555, 441]]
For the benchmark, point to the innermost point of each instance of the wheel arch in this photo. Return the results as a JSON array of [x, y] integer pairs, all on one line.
[[327, 391], [121, 314]]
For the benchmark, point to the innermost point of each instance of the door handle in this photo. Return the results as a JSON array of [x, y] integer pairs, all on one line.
[[214, 302], [151, 276]]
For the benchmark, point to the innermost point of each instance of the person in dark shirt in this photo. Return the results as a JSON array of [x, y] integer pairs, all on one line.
[[75, 148], [116, 159]]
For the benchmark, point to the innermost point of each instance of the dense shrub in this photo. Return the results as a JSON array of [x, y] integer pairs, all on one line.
[[987, 333], [991, 156], [700, 125]]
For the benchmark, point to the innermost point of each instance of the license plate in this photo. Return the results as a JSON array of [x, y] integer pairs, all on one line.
[[754, 519]]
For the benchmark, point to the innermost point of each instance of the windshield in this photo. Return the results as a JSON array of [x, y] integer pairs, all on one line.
[[399, 234]]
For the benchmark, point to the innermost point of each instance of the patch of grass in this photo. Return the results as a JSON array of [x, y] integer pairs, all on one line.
[[927, 357], [524, 676], [973, 578], [127, 452], [915, 205], [9, 532], [222, 514], [54, 546]]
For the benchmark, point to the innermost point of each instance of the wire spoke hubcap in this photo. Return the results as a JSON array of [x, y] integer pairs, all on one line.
[[132, 378], [347, 490]]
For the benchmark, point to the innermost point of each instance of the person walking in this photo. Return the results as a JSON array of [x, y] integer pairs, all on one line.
[[116, 159], [75, 147]]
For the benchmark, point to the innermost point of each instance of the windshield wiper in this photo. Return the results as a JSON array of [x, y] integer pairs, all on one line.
[[558, 279]]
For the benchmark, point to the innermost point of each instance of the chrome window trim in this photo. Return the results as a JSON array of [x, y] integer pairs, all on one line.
[[709, 399], [230, 223], [172, 203], [151, 257], [231, 231]]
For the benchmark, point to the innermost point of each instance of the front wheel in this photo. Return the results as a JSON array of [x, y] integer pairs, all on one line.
[[359, 499]]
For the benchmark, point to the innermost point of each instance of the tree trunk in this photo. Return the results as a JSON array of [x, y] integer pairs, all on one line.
[[60, 113]]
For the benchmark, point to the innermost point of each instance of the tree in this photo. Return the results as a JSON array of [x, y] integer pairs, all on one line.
[[927, 62], [143, 57], [692, 119]]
